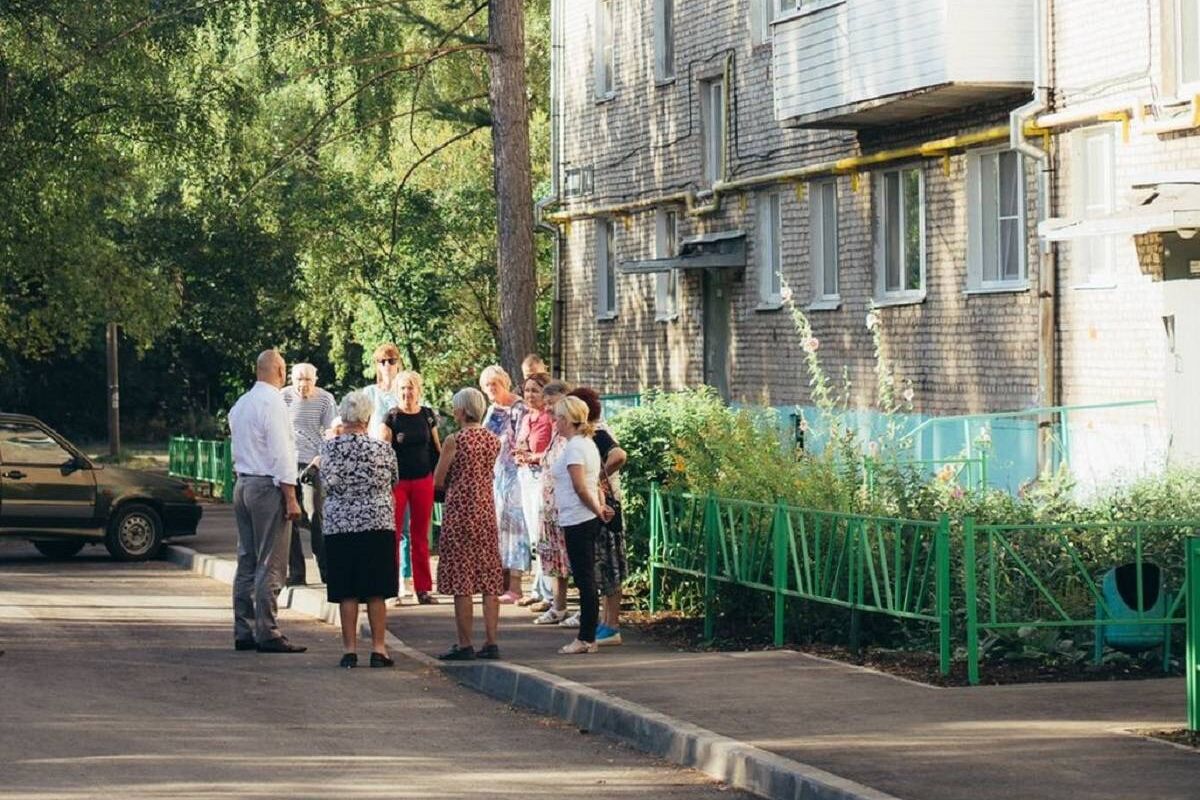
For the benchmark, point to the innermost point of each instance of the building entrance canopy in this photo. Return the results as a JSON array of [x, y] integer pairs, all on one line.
[[722, 250]]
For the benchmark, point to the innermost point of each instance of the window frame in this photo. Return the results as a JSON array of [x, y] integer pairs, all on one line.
[[666, 284], [765, 12], [1082, 165], [604, 52], [664, 42], [769, 249], [714, 148], [606, 268], [7, 456], [1182, 85], [976, 257], [822, 299], [884, 296]]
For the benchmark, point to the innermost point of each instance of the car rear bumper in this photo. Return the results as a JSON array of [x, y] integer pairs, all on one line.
[[181, 519]]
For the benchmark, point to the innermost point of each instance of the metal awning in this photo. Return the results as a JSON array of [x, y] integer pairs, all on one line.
[[723, 250], [1155, 208]]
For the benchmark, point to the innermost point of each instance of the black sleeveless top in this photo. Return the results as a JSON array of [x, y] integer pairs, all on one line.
[[412, 442]]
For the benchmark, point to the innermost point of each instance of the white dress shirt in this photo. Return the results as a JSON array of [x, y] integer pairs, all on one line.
[[262, 435]]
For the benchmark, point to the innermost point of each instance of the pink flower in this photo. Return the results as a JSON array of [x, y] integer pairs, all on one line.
[[908, 395], [786, 294], [811, 344]]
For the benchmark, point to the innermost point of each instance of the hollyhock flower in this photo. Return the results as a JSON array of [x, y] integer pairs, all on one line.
[[908, 395], [786, 294], [872, 320], [811, 344]]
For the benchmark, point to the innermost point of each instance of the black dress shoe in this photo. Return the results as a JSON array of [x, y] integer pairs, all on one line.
[[349, 661], [244, 644], [380, 660], [426, 599], [457, 653], [491, 651], [280, 645]]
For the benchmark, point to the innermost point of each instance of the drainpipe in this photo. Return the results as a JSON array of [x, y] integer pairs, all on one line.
[[555, 195], [1047, 287]]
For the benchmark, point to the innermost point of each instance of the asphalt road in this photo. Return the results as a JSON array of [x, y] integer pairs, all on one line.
[[120, 680]]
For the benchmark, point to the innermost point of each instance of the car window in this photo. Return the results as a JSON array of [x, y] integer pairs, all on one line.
[[21, 443]]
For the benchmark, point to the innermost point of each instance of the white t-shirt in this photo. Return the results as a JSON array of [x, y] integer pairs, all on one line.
[[578, 450]]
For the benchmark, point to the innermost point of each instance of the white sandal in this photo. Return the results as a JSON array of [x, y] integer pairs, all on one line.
[[550, 617], [571, 621], [578, 647]]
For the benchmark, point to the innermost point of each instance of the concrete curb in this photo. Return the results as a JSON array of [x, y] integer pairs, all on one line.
[[736, 763]]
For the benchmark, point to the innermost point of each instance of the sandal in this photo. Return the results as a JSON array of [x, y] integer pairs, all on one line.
[[508, 598], [539, 606], [578, 647], [529, 600], [551, 617], [571, 621], [426, 599]]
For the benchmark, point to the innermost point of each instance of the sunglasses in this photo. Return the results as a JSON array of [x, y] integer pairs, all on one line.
[[388, 361]]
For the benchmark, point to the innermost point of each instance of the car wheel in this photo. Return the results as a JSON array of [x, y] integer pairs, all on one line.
[[135, 533], [59, 548]]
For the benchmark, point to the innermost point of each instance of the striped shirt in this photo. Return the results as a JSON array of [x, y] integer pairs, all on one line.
[[310, 418]]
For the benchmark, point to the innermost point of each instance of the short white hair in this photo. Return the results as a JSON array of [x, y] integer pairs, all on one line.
[[304, 370], [493, 372], [471, 403], [356, 408]]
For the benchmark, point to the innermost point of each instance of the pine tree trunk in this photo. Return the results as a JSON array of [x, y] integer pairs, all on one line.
[[516, 273]]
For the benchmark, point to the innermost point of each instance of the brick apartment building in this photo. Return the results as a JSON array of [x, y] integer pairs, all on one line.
[[969, 170]]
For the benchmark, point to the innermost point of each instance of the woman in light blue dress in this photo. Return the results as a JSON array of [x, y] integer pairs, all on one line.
[[504, 419]]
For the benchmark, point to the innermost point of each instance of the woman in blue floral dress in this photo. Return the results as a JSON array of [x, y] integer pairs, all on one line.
[[504, 419]]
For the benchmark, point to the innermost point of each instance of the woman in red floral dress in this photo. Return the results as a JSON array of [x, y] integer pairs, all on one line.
[[469, 545]]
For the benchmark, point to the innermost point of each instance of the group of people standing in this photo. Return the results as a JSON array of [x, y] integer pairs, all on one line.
[[527, 479]]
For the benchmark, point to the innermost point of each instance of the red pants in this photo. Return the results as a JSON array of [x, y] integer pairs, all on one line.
[[417, 496]]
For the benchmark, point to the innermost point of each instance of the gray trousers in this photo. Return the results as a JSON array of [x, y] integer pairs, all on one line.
[[264, 535]]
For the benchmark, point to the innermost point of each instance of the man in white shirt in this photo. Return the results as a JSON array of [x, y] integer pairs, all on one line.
[[311, 411], [264, 502]]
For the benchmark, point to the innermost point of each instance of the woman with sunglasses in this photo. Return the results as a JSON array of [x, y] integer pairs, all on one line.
[[382, 393]]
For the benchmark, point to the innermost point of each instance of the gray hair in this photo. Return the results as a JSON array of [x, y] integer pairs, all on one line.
[[471, 403], [304, 370], [356, 408]]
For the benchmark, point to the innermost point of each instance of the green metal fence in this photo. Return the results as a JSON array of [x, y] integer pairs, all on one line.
[[970, 472], [1048, 576], [1193, 633], [206, 460], [896, 567]]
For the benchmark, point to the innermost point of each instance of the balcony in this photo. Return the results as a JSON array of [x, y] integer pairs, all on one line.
[[868, 63]]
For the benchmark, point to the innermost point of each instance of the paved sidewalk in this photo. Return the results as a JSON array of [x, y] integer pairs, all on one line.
[[906, 739]]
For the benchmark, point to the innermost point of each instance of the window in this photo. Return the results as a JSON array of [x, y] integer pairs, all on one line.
[[1187, 42], [900, 235], [712, 110], [1092, 154], [823, 232], [666, 284], [997, 248], [29, 445], [770, 250], [664, 40], [604, 53], [606, 269], [763, 13], [579, 181]]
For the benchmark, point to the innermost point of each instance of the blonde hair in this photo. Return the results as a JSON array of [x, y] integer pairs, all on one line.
[[493, 372], [575, 411], [408, 376]]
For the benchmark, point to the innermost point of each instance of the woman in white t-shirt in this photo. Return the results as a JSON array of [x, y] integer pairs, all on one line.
[[576, 476]]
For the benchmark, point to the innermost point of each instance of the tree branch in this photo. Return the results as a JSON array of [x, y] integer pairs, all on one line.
[[413, 168]]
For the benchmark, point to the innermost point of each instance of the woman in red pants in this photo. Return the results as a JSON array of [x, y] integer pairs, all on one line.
[[413, 429]]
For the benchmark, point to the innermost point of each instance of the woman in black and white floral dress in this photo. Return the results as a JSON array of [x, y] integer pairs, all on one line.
[[357, 473]]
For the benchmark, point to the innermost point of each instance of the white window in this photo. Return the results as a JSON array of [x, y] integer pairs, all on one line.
[[770, 249], [666, 284], [1187, 42], [712, 111], [604, 53], [823, 233], [606, 269], [997, 250], [763, 13], [900, 235], [664, 40], [1092, 154]]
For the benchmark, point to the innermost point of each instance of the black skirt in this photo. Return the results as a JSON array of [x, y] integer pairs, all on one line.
[[361, 565]]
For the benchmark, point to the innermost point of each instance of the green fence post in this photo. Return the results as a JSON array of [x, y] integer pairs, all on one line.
[[983, 469], [855, 577], [942, 554], [969, 592], [655, 545], [779, 567], [227, 489], [1193, 633], [710, 563]]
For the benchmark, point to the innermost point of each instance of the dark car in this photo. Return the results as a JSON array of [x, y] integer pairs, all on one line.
[[55, 496]]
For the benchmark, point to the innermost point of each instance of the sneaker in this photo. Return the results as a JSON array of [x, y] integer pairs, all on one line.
[[571, 621], [457, 653], [551, 617], [491, 651], [539, 606], [606, 636], [578, 647]]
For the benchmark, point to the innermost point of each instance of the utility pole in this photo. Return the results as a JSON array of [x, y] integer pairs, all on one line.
[[114, 394]]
